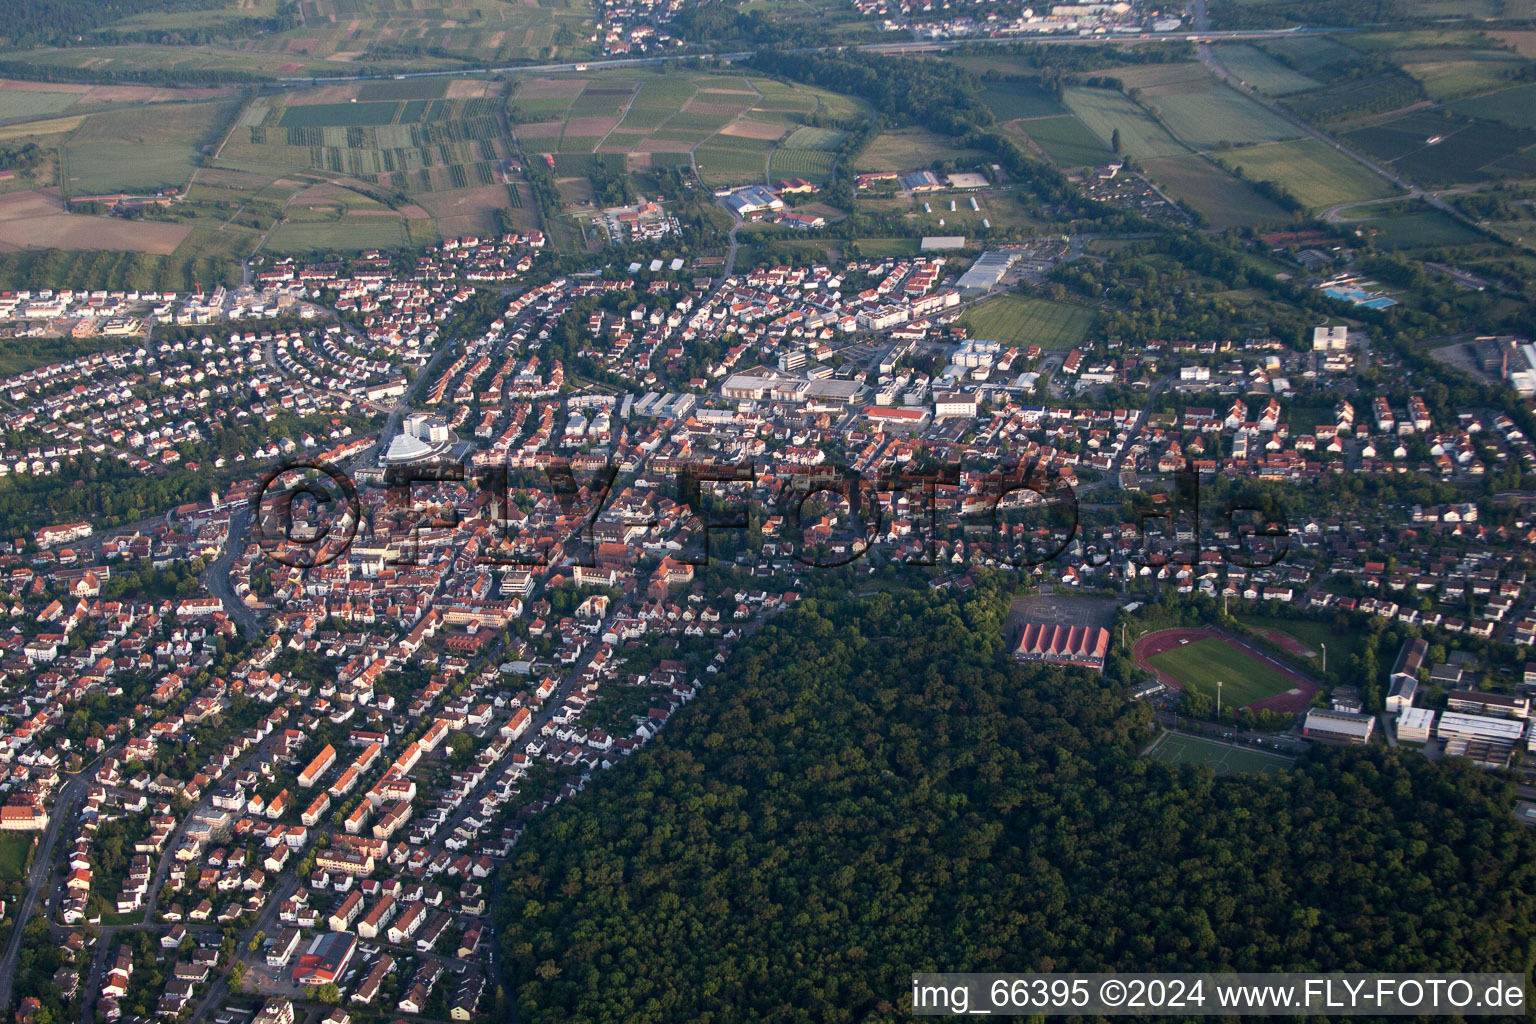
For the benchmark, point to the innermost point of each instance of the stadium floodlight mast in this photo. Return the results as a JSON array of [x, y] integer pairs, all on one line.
[[1325, 657], [1218, 698]]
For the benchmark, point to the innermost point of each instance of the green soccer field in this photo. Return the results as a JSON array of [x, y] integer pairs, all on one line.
[[1200, 664], [1016, 320], [1221, 758]]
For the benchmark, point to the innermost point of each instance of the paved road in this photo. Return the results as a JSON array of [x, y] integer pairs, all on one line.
[[70, 795], [215, 578]]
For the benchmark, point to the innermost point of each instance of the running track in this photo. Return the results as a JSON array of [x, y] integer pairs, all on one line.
[[1294, 701]]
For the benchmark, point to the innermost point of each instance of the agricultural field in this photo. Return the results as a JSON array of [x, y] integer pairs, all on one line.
[[729, 124], [1343, 102], [39, 130], [1434, 148], [142, 148], [1106, 111], [1012, 100], [1221, 758], [1223, 200], [811, 164], [906, 149], [1019, 321], [437, 145], [1419, 226], [1261, 71], [1314, 56], [337, 35], [1309, 170], [351, 232], [814, 138], [37, 219], [733, 161], [1066, 141], [340, 115], [1457, 71], [1515, 106], [1205, 113], [26, 104]]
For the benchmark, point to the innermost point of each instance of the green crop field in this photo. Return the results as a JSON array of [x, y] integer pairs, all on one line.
[[657, 100], [1317, 56], [1463, 148], [732, 161], [1106, 111], [1199, 664], [339, 115], [1514, 106], [1261, 71], [814, 138], [1223, 200], [1309, 170], [408, 89], [1010, 100], [1221, 758], [1067, 141], [1457, 71], [141, 148], [1207, 113], [1422, 228], [348, 234], [23, 103], [811, 164], [907, 149], [1017, 320]]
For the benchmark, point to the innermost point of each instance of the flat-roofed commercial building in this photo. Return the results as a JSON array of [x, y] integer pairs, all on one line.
[[1414, 725], [1494, 705], [1488, 741], [1457, 725], [1338, 727]]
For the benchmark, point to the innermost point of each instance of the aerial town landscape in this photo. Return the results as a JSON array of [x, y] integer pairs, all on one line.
[[664, 510]]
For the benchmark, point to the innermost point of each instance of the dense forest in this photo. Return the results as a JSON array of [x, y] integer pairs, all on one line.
[[62, 22], [843, 807]]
